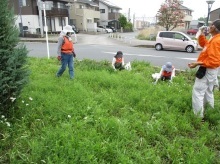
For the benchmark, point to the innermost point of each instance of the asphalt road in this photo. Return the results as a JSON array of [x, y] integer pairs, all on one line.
[[106, 51]]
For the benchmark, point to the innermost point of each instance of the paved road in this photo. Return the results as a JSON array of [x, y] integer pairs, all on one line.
[[107, 50]]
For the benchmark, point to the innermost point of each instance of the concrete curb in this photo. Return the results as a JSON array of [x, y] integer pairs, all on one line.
[[38, 40]]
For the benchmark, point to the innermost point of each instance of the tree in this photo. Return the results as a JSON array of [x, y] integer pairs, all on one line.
[[123, 21], [13, 58], [170, 14], [202, 19], [127, 26]]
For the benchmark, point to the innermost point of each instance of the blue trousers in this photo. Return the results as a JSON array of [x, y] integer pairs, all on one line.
[[66, 59]]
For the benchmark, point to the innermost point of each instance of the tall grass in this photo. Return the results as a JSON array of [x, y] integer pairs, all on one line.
[[103, 116]]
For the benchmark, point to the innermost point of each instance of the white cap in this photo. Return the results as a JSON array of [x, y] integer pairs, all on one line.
[[67, 28]]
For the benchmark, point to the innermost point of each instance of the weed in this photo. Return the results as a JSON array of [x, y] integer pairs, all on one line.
[[103, 116]]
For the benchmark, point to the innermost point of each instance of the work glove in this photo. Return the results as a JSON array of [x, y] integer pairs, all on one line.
[[59, 57], [200, 31], [74, 54]]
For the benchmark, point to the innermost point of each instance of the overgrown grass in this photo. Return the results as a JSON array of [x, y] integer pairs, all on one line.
[[104, 116]]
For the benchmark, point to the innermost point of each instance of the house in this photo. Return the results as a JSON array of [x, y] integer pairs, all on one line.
[[188, 16], [141, 24], [31, 18], [215, 14], [194, 24], [85, 14], [109, 14]]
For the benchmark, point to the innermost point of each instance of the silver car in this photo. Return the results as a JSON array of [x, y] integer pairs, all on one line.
[[175, 40], [104, 29]]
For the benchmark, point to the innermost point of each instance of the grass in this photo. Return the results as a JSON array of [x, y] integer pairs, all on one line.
[[103, 116]]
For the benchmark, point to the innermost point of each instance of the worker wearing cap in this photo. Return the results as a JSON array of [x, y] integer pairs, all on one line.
[[118, 61], [65, 51], [209, 62]]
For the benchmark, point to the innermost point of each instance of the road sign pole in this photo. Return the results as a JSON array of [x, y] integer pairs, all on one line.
[[46, 29]]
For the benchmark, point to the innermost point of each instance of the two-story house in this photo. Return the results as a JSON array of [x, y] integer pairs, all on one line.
[[84, 14], [31, 17], [215, 14], [109, 13], [188, 16]]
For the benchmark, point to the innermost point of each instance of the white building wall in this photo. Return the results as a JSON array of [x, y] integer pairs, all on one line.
[[31, 21], [103, 16]]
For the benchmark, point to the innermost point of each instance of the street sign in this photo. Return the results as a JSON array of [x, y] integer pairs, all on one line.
[[45, 6], [22, 3], [48, 5]]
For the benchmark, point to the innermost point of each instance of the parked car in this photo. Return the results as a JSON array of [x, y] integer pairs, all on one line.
[[103, 29], [75, 29], [113, 29], [175, 40], [192, 31]]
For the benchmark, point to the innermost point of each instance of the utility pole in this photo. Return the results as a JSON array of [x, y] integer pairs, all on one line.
[[40, 19], [68, 5], [129, 15], [134, 21], [20, 5]]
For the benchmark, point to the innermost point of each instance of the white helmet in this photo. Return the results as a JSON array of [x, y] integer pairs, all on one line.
[[67, 28]]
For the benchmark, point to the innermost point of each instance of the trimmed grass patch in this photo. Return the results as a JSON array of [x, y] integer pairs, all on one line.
[[103, 116]]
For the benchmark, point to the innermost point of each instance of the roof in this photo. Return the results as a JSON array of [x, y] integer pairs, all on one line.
[[110, 4], [215, 10], [196, 22], [185, 8], [88, 2]]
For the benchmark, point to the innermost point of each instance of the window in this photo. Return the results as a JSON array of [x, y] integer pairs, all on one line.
[[166, 34], [102, 10], [61, 5], [22, 3], [89, 20], [178, 36], [61, 21]]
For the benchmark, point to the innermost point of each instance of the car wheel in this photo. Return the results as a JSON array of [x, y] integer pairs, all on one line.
[[189, 49], [158, 47]]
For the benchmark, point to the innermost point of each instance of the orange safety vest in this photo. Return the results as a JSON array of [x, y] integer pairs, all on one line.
[[67, 47], [167, 74], [118, 60], [210, 55]]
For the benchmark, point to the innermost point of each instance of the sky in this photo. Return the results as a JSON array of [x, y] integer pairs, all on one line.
[[149, 8]]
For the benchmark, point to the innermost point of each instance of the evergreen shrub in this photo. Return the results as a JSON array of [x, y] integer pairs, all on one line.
[[13, 58]]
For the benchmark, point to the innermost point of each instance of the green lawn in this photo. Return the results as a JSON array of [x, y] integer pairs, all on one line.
[[103, 116]]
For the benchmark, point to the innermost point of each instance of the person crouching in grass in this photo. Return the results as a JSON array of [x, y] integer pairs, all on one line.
[[118, 61]]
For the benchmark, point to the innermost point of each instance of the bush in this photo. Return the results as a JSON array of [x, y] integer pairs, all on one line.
[[13, 58], [128, 26]]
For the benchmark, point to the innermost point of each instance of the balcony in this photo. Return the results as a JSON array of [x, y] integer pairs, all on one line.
[[112, 16], [57, 12], [187, 18]]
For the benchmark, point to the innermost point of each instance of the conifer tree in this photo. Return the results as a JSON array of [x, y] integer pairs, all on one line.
[[13, 58]]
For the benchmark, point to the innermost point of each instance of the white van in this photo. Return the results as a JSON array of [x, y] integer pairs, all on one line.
[[175, 40]]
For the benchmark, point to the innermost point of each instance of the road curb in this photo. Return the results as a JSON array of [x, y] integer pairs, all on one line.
[[42, 41]]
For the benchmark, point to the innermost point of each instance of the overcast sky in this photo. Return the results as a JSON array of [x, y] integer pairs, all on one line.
[[149, 8]]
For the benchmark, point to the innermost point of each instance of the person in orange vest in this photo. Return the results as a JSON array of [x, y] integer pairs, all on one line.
[[206, 76], [65, 51], [167, 72], [118, 61]]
